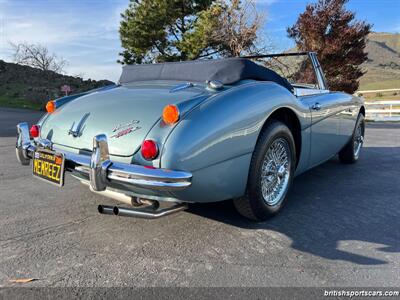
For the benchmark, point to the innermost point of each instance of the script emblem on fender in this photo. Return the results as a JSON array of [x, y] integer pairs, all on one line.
[[125, 125], [124, 129]]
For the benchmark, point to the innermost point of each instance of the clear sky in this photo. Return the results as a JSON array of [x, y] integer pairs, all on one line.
[[85, 32]]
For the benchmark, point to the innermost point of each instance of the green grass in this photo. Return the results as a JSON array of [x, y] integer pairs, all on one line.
[[380, 85], [7, 101], [372, 97], [9, 97]]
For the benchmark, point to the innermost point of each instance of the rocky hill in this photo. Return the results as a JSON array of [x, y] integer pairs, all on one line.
[[23, 86], [383, 65]]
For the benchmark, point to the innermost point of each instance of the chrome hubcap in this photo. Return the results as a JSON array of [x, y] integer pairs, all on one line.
[[275, 172], [358, 139]]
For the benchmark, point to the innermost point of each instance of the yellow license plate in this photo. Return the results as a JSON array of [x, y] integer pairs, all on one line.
[[49, 166]]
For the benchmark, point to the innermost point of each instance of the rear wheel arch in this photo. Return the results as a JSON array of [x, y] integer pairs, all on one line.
[[290, 119], [362, 110], [255, 204]]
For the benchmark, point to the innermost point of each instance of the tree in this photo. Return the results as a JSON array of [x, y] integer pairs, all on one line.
[[156, 30], [175, 30], [237, 28], [37, 56], [327, 28]]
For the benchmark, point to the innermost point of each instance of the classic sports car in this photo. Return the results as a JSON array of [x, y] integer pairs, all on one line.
[[198, 131]]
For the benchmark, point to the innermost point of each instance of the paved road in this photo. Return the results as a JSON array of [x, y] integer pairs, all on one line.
[[341, 227], [10, 117]]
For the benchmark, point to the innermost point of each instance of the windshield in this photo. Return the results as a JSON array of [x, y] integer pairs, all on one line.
[[296, 68]]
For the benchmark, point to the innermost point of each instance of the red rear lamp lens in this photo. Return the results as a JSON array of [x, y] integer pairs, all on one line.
[[149, 149], [34, 131]]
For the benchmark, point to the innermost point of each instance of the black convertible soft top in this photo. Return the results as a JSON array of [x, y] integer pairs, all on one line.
[[228, 71]]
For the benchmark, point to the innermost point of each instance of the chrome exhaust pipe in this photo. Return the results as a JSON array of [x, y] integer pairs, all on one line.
[[105, 209], [145, 213]]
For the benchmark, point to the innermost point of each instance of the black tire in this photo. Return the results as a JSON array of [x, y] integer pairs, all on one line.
[[253, 205], [348, 154]]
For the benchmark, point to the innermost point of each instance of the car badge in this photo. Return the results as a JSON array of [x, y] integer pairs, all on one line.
[[125, 128], [76, 128], [125, 131], [124, 125]]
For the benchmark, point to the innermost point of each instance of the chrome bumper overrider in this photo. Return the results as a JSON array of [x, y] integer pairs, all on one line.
[[103, 172]]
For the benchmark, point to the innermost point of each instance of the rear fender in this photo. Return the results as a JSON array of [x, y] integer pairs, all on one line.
[[160, 131], [220, 135]]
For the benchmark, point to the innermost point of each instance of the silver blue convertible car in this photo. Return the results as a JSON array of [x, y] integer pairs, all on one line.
[[200, 131]]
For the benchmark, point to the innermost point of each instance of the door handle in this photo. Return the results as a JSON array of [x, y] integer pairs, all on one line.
[[316, 106]]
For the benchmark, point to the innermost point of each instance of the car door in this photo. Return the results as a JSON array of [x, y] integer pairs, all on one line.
[[325, 108], [325, 126], [329, 112]]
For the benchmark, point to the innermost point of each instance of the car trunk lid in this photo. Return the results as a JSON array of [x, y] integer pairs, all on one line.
[[125, 114]]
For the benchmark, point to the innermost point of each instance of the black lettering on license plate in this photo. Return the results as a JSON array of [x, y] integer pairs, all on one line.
[[49, 166]]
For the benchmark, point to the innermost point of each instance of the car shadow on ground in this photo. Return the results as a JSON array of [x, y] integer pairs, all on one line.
[[334, 203]]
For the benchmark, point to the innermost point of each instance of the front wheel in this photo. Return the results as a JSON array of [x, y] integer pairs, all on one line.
[[351, 152], [271, 173]]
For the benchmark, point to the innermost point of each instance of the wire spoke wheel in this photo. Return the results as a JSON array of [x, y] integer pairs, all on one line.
[[350, 153], [271, 173], [275, 173], [358, 139]]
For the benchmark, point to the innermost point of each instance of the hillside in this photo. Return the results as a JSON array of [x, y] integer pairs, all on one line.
[[23, 86], [383, 65]]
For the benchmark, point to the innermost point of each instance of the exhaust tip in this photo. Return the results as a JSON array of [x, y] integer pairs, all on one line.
[[116, 210], [105, 209]]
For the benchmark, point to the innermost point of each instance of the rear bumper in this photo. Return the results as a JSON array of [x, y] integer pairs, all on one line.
[[101, 171]]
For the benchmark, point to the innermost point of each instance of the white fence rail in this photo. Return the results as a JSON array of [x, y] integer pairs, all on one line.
[[388, 110], [377, 91]]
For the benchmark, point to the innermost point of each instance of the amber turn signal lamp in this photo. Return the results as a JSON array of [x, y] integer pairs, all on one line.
[[34, 131], [170, 114], [51, 106]]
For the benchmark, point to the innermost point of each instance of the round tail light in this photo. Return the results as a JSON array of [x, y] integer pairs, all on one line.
[[149, 149], [34, 131]]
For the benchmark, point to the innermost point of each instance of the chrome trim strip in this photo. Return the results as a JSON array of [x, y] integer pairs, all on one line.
[[23, 143], [302, 92], [77, 127], [318, 71], [99, 163], [181, 87], [101, 170], [151, 183]]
